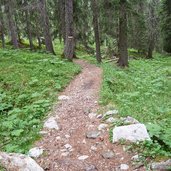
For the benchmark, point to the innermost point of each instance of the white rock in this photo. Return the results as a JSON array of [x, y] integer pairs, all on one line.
[[92, 115], [84, 157], [135, 158], [58, 138], [133, 133], [68, 146], [67, 136], [65, 154], [51, 124], [63, 97], [43, 132], [18, 162], [124, 167], [35, 152], [93, 148], [102, 127], [112, 112], [110, 120]]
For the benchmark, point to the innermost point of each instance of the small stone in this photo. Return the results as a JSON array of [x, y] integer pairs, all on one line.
[[92, 115], [43, 132], [63, 97], [164, 166], [35, 152], [99, 116], [68, 146], [65, 154], [84, 141], [110, 120], [130, 120], [124, 167], [18, 162], [112, 112], [84, 157], [102, 127], [51, 124], [67, 136], [108, 154], [93, 148], [58, 138], [93, 134], [135, 158], [132, 133], [91, 168]]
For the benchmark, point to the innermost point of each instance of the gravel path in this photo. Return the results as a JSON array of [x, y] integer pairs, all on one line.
[[68, 149]]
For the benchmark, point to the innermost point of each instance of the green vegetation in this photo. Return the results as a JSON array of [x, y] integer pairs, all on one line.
[[143, 91], [29, 83]]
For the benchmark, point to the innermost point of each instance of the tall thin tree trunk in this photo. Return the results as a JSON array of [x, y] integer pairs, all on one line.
[[12, 24], [123, 49], [62, 20], [27, 15], [69, 25], [46, 27], [96, 29], [2, 32]]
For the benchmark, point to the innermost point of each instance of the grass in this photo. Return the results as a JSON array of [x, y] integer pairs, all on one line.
[[142, 91], [29, 84]]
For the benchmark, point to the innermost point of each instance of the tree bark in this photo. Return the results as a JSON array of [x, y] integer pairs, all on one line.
[[12, 24], [46, 27], [96, 30], [123, 47], [28, 27], [62, 20], [2, 32], [69, 26]]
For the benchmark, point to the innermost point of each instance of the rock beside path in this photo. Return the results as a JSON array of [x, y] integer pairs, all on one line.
[[132, 133], [63, 97], [108, 154], [162, 166], [35, 152], [51, 123], [18, 162], [93, 134]]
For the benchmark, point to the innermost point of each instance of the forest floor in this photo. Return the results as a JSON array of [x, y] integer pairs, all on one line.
[[69, 149]]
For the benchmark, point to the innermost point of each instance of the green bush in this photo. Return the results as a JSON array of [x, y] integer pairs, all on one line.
[[29, 83]]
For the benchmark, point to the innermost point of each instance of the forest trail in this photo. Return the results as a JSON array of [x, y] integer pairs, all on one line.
[[68, 149]]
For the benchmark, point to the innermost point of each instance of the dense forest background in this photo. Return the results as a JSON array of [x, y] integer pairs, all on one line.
[[116, 25]]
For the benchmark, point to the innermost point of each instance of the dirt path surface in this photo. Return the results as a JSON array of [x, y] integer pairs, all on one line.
[[68, 149]]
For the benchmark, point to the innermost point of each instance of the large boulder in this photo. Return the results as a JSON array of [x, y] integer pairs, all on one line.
[[18, 162], [132, 133]]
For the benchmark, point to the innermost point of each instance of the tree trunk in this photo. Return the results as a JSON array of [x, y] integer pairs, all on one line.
[[12, 24], [28, 27], [2, 32], [69, 25], [96, 29], [46, 27], [62, 20], [123, 49], [39, 42]]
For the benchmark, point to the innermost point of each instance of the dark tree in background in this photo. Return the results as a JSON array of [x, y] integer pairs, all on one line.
[[123, 47], [2, 34], [46, 27], [96, 29], [69, 28], [166, 25], [10, 6]]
